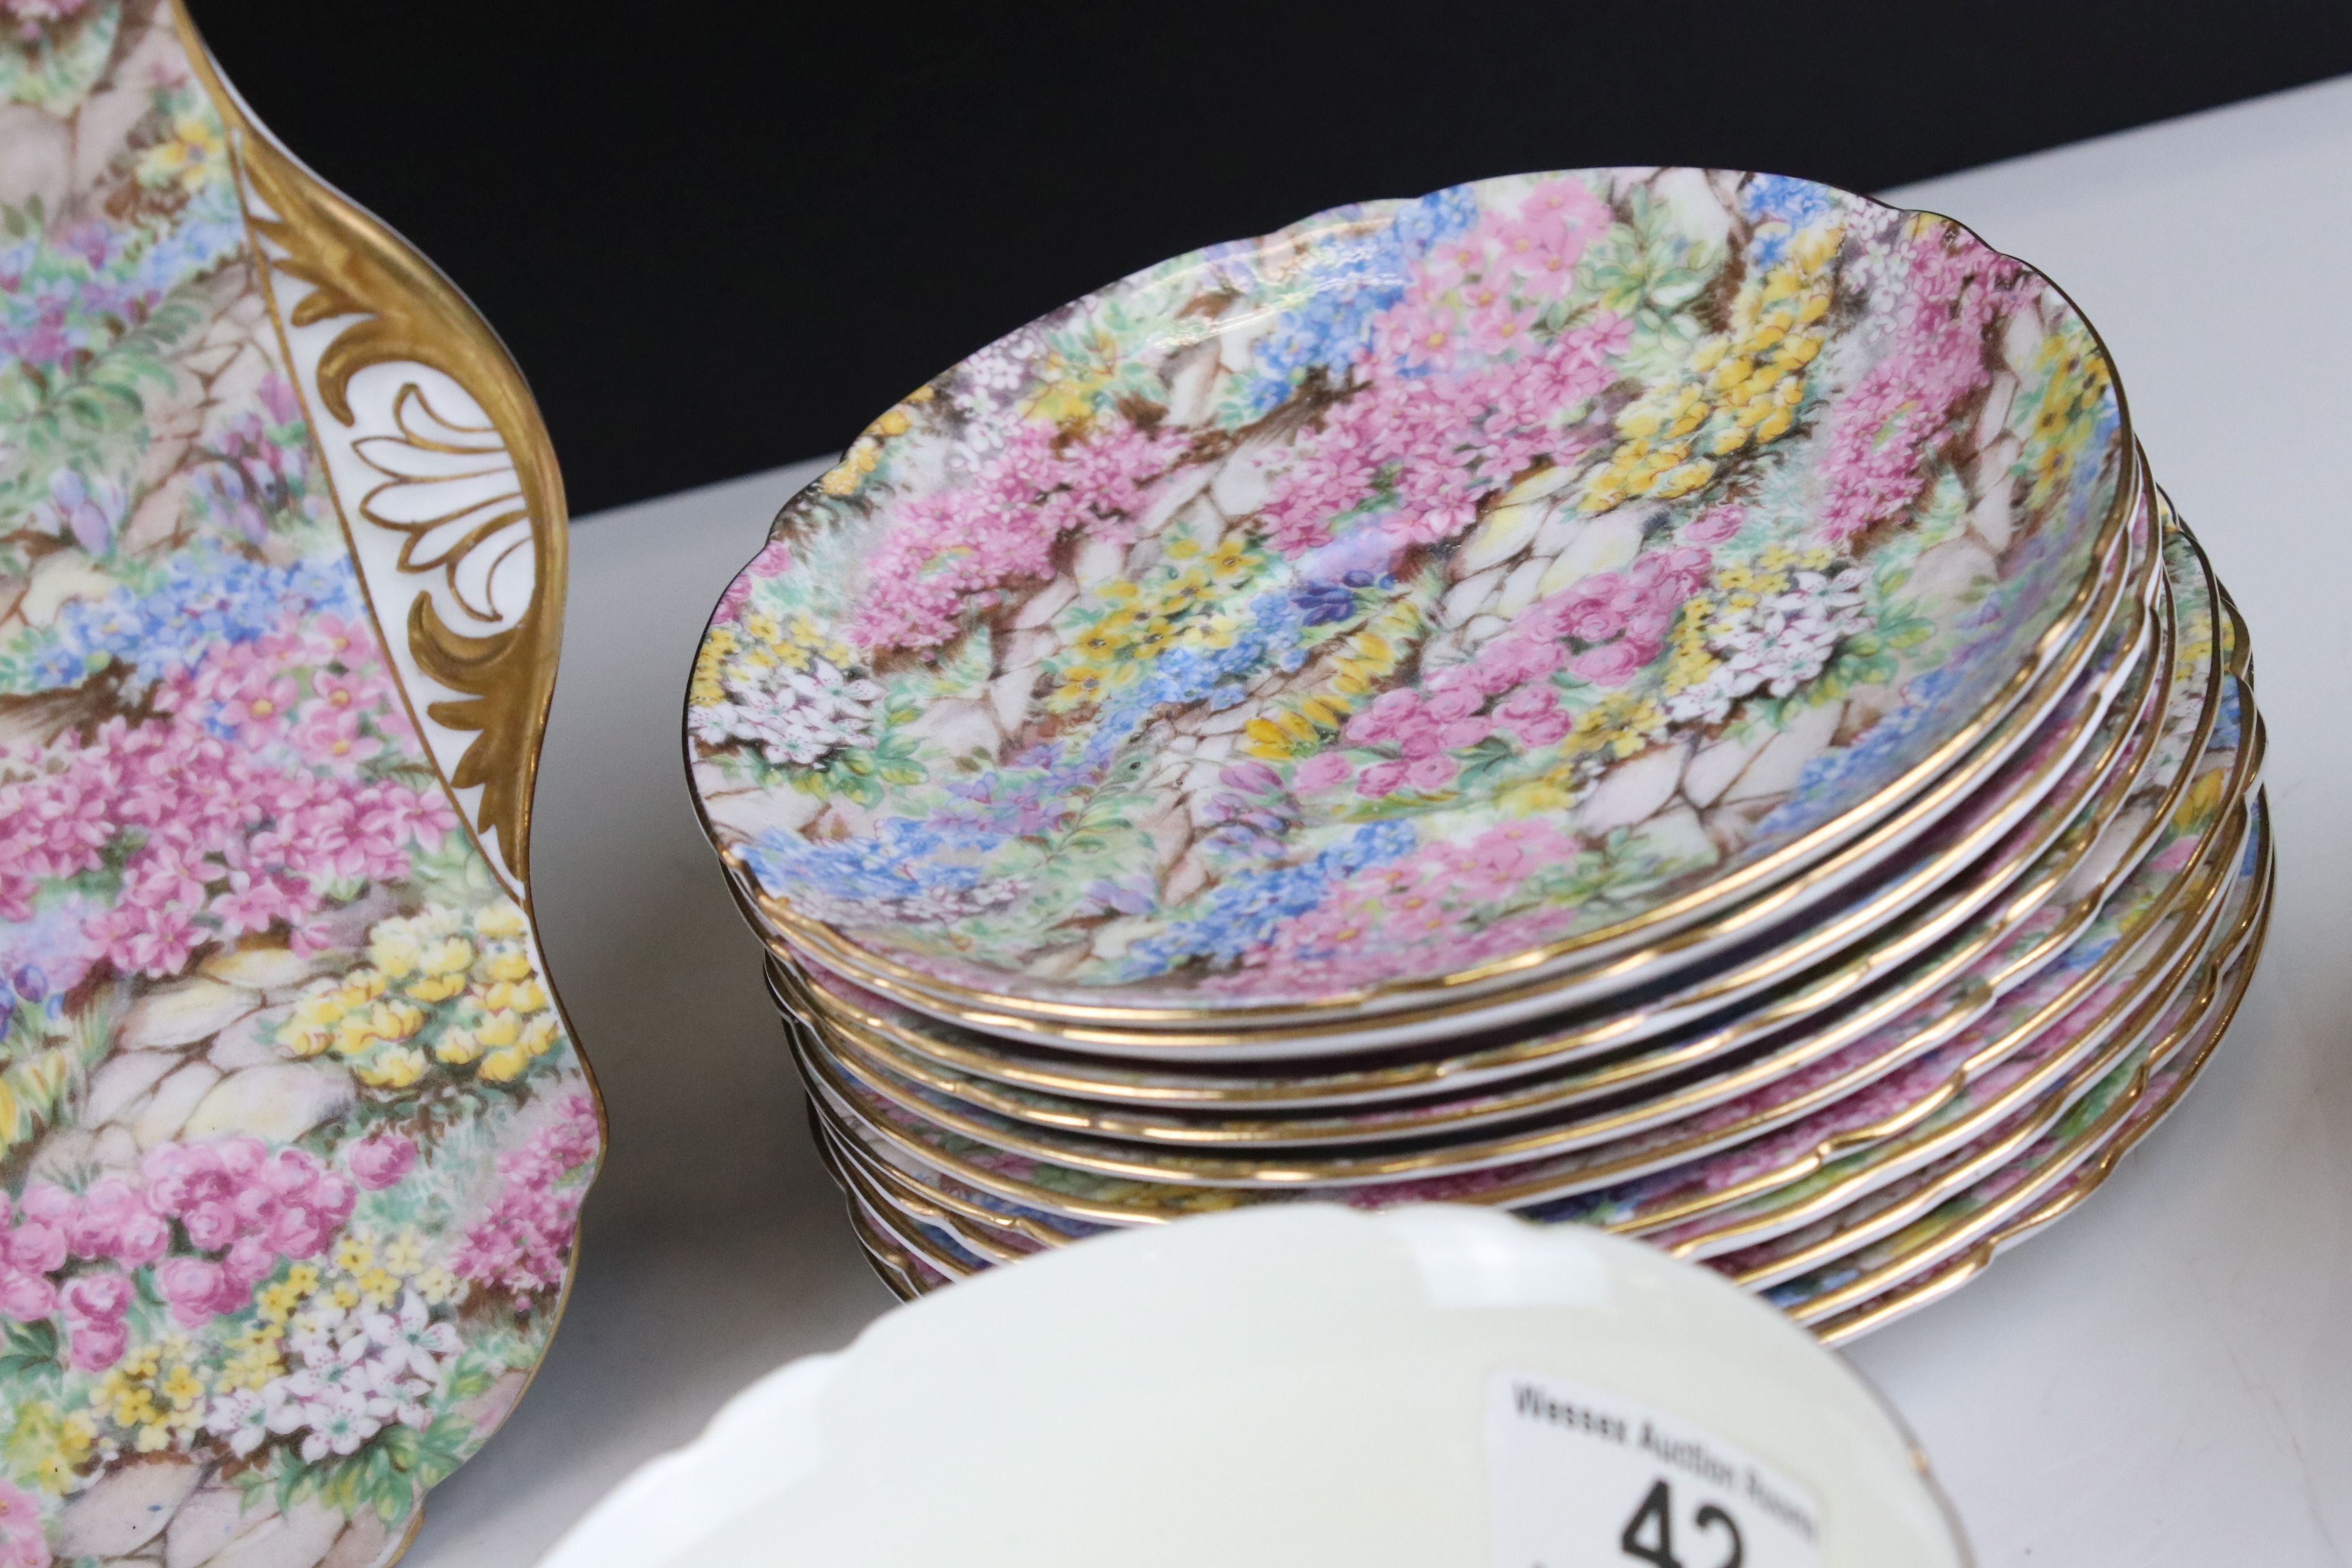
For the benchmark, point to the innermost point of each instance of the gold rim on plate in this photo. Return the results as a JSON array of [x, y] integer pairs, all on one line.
[[846, 1031], [1954, 768], [920, 1221], [1188, 1194], [1910, 1281], [2043, 1090]]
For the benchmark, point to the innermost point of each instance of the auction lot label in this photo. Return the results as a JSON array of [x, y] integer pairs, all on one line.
[[1580, 1478]]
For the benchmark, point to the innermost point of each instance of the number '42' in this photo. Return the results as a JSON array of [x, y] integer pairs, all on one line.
[[1649, 1535]]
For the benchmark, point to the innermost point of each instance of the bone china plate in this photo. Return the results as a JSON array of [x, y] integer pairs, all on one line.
[[1564, 539], [293, 1136]]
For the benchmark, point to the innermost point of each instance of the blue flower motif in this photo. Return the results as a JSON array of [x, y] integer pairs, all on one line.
[[1320, 603], [1246, 911], [903, 858], [1346, 284], [205, 598], [1783, 198]]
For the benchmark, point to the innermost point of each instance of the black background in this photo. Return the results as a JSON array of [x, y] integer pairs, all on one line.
[[720, 238]]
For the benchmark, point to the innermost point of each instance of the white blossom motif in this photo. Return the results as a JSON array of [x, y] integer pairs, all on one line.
[[796, 718], [935, 902], [1776, 645], [354, 1372], [241, 1417]]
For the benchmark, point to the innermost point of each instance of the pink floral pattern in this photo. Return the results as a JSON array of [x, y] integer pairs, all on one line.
[[279, 1064], [1555, 499]]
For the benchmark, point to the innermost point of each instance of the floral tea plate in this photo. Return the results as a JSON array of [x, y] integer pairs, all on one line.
[[1265, 1110], [1976, 1227], [1705, 518], [1954, 856], [293, 1135], [2025, 1157], [1662, 1125], [1976, 1138], [2156, 915], [1853, 1291]]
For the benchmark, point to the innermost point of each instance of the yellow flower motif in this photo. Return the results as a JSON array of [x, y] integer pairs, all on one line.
[[188, 159], [182, 1388], [379, 1286], [354, 1252], [404, 1255], [1746, 384], [52, 1445], [1216, 631], [361, 986], [504, 962], [320, 1004], [395, 1020], [1691, 660], [396, 1068], [436, 1285], [135, 1407], [504, 1065], [538, 1036], [276, 1303], [1553, 791], [435, 988], [450, 955], [1099, 641], [458, 1047], [845, 477], [1074, 376], [1360, 663], [503, 919], [1281, 732], [253, 1364], [308, 1042], [1234, 556], [1620, 724], [395, 952], [1081, 686], [355, 1035], [345, 1295], [500, 1028], [303, 1278], [705, 687]]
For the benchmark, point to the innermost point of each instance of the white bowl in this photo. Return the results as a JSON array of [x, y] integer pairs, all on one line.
[[1296, 1386]]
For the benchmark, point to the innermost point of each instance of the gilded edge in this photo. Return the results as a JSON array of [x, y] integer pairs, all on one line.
[[409, 315], [491, 490]]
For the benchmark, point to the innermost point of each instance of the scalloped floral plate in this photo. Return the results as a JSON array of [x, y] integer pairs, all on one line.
[[1113, 668], [2085, 980], [2136, 768], [293, 1135], [1889, 1248], [1998, 1122], [1903, 860], [1960, 1238], [1872, 1284]]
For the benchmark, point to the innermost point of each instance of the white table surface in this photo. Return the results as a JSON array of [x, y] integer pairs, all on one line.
[[2165, 1378]]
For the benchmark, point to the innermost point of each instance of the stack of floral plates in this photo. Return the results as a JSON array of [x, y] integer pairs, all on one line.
[[1662, 699]]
